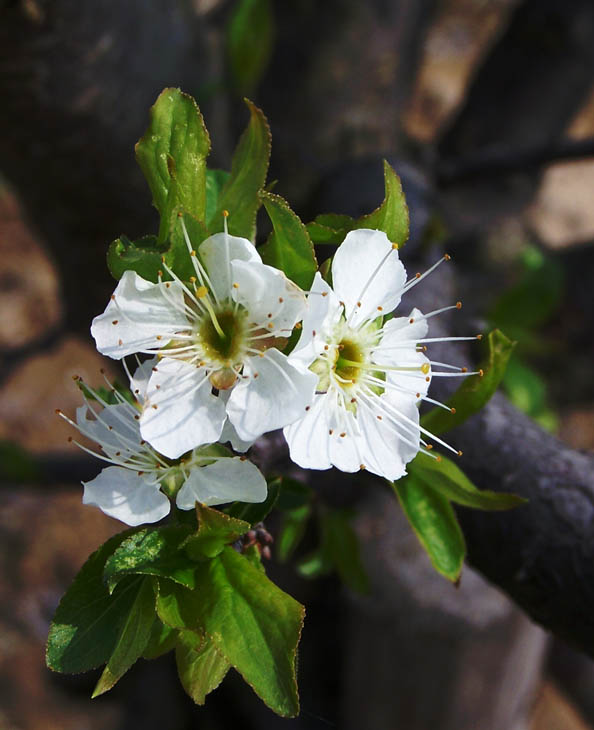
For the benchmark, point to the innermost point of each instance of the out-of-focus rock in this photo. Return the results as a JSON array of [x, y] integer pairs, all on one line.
[[577, 428], [554, 712]]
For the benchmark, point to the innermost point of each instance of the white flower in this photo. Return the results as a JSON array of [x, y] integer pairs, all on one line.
[[130, 489], [371, 373], [217, 339]]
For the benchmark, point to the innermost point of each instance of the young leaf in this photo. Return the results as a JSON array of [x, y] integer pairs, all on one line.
[[215, 182], [152, 551], [435, 524], [240, 195], [200, 666], [292, 529], [142, 256], [177, 606], [475, 391], [133, 636], [254, 624], [215, 530], [289, 247], [88, 621], [257, 512], [172, 155], [250, 39], [392, 215], [330, 228], [340, 544], [448, 479], [161, 640]]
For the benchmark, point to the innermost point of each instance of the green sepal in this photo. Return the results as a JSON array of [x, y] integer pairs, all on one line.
[[253, 513], [254, 624], [215, 530], [475, 391], [445, 477], [87, 623], [161, 640], [341, 546], [250, 39], [249, 167], [200, 666], [289, 247], [152, 551], [435, 524], [133, 636], [172, 155], [392, 215]]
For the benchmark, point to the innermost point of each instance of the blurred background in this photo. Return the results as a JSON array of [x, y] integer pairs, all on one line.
[[486, 110]]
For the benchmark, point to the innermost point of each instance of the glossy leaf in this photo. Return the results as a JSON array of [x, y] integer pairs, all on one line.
[[250, 39], [254, 624], [172, 155], [289, 247], [88, 621], [257, 511], [215, 530], [201, 667], [240, 194], [152, 551], [475, 391], [448, 479], [340, 544], [133, 636], [435, 524], [392, 215]]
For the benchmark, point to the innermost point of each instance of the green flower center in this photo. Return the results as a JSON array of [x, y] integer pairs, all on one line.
[[350, 356], [225, 342]]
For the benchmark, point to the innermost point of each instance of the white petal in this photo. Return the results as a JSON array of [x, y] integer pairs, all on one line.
[[274, 394], [122, 494], [230, 434], [345, 451], [227, 480], [367, 269], [138, 312], [186, 415], [308, 438], [114, 428], [321, 315], [217, 252], [139, 381], [265, 291]]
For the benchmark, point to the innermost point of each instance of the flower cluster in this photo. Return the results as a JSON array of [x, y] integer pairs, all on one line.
[[214, 367]]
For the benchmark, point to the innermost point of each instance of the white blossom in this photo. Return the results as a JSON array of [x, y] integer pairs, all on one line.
[[130, 489], [372, 372], [218, 339]]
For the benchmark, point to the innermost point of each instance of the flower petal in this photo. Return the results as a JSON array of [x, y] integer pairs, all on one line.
[[274, 394], [308, 437], [322, 313], [217, 252], [140, 316], [114, 428], [268, 295], [366, 274], [227, 480], [139, 381], [180, 412], [123, 494]]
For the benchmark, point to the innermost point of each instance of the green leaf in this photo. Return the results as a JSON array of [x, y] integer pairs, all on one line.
[[215, 182], [254, 624], [254, 513], [289, 247], [250, 39], [17, 465], [142, 256], [162, 640], [177, 606], [240, 194], [88, 621], [448, 479], [201, 667], [215, 531], [392, 215], [293, 494], [152, 551], [291, 532], [133, 637], [315, 564], [475, 391], [172, 155], [330, 228], [340, 544], [435, 524]]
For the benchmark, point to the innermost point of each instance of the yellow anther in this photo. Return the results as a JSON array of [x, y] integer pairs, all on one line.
[[159, 273], [417, 275], [458, 305], [192, 253], [362, 467], [429, 447], [192, 279], [395, 246], [380, 309], [464, 370], [459, 453], [225, 214], [479, 337], [425, 368], [452, 410], [438, 458], [447, 257], [481, 373], [202, 291], [235, 285]]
